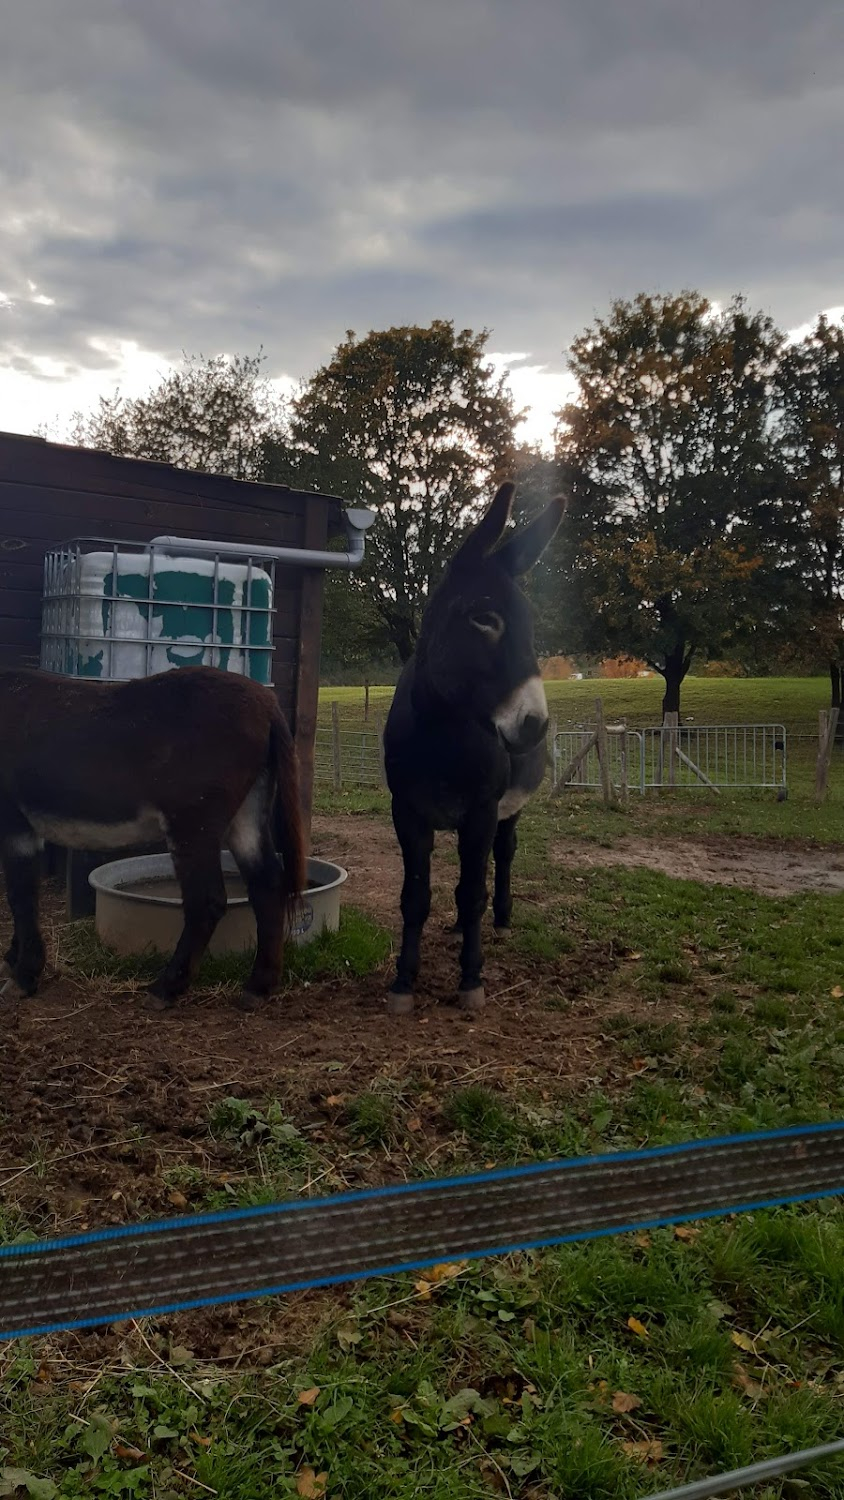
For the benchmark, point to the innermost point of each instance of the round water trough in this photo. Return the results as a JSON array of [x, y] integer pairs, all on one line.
[[138, 905]]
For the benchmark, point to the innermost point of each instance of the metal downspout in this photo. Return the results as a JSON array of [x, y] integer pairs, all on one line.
[[357, 523]]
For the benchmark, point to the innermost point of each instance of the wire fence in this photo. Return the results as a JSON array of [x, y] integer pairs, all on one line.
[[713, 756], [348, 758], [641, 755]]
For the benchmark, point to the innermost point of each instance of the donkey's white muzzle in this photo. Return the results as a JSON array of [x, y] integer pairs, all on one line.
[[522, 719]]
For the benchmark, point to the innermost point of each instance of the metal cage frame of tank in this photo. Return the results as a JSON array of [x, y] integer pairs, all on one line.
[[61, 623]]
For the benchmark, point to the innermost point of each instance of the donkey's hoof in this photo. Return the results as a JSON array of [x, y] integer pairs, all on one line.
[[471, 1001], [27, 984], [399, 1004], [453, 930], [247, 1000], [502, 934], [160, 999]]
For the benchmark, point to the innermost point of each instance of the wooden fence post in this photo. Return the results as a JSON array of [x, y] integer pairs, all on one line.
[[335, 747], [552, 731], [827, 725], [366, 701], [603, 744]]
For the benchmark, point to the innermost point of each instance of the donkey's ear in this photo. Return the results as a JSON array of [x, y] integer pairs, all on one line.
[[489, 529], [519, 554]]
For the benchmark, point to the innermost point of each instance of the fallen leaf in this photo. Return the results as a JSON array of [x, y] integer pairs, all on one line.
[[347, 1336], [642, 1239], [415, 1123], [751, 1387], [623, 1402], [685, 1232], [720, 1310], [434, 1275], [445, 1271], [203, 1442], [837, 993], [636, 1327], [125, 1451], [743, 1341], [646, 1450], [178, 1200], [397, 1415], [307, 1398], [335, 1100], [311, 1485]]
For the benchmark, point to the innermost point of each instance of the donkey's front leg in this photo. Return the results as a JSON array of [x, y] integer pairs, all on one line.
[[416, 838], [474, 843], [503, 850]]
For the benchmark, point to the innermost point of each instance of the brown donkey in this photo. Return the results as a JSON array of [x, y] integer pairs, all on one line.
[[201, 758]]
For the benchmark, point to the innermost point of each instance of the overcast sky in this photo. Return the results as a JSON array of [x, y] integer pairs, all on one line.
[[211, 175]]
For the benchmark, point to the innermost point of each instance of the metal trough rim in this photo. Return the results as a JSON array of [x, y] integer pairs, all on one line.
[[113, 877]]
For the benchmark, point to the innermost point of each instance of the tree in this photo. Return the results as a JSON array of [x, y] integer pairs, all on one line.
[[810, 399], [354, 637], [675, 508], [214, 414], [413, 423]]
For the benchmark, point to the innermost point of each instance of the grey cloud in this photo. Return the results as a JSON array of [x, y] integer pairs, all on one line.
[[208, 175]]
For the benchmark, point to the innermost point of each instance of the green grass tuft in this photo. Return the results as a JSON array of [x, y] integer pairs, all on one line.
[[359, 947]]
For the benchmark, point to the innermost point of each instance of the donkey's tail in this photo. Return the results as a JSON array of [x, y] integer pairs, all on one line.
[[288, 829]]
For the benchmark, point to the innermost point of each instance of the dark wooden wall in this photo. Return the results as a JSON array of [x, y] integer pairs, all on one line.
[[51, 494]]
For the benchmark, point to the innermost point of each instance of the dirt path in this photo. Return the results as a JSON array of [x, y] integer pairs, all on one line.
[[772, 867]]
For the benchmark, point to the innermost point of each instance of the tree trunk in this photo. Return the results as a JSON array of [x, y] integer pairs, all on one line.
[[404, 638], [677, 663]]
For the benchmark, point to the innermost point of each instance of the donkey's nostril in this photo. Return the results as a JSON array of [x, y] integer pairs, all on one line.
[[533, 727]]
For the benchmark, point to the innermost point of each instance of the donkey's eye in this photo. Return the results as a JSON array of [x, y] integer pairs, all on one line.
[[489, 623]]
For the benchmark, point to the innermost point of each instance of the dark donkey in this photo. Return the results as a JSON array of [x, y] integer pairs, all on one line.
[[464, 743], [197, 757]]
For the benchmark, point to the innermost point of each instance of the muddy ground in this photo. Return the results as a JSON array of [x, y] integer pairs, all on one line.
[[99, 1094]]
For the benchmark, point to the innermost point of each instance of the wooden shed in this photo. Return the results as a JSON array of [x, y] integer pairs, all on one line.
[[51, 493]]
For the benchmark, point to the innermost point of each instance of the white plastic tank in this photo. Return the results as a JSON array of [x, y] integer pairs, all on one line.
[[122, 614]]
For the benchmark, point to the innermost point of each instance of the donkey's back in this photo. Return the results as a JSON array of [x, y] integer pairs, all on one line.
[[195, 757]]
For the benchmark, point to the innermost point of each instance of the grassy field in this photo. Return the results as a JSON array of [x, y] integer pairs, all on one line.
[[601, 1372], [793, 701]]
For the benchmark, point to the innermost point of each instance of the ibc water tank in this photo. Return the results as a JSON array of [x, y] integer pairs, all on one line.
[[131, 612]]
